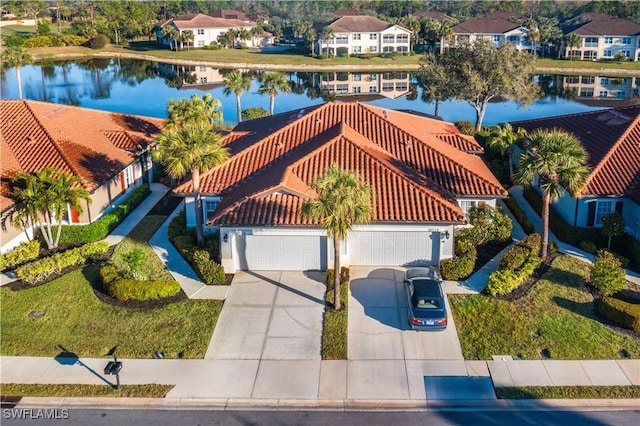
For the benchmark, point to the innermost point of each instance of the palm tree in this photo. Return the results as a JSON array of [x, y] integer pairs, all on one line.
[[194, 147], [256, 33], [232, 35], [328, 33], [205, 110], [311, 36], [236, 83], [558, 162], [445, 32], [187, 37], [573, 40], [47, 196], [502, 138], [172, 34], [16, 56], [533, 36], [270, 83], [243, 35], [343, 200]]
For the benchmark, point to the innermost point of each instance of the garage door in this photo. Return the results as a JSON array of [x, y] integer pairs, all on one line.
[[281, 252], [394, 248]]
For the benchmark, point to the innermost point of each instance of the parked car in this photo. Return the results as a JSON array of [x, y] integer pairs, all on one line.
[[426, 304]]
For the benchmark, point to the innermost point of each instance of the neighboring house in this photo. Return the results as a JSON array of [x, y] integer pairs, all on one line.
[[240, 16], [423, 172], [612, 140], [500, 28], [109, 151], [207, 29], [360, 34], [391, 85], [598, 90], [604, 37]]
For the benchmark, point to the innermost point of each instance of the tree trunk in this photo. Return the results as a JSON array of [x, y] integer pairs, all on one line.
[[436, 110], [19, 81], [609, 243], [546, 201], [480, 111], [336, 273], [441, 45], [195, 174], [239, 108], [509, 155], [272, 103]]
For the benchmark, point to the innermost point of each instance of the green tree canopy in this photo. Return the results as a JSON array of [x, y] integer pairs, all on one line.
[[272, 82], [237, 83], [16, 56]]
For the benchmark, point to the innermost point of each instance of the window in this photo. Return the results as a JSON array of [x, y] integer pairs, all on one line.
[[572, 79], [373, 89], [621, 94], [591, 54], [466, 205], [387, 87], [497, 38], [373, 49], [604, 81], [403, 49], [356, 77], [342, 88], [373, 77], [388, 76], [373, 36], [200, 31], [607, 53], [591, 42], [626, 40], [203, 79], [387, 49], [357, 36], [388, 38], [203, 68], [210, 206], [588, 79], [200, 43], [402, 86], [357, 89], [357, 49], [608, 40], [603, 93], [342, 39], [586, 92], [402, 38], [575, 54], [603, 208]]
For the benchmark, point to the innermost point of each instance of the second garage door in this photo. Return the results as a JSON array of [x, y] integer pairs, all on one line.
[[282, 252], [394, 248]]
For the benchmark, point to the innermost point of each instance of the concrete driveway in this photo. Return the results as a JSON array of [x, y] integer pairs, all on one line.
[[378, 323], [270, 315]]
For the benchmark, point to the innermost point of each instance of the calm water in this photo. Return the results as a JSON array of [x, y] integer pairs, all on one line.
[[144, 87]]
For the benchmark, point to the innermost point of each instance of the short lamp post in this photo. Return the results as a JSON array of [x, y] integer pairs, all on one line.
[[114, 367]]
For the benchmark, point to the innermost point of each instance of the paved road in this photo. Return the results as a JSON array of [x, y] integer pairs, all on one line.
[[103, 417]]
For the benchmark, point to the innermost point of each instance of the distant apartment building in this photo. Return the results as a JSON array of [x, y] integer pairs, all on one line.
[[499, 28], [590, 88], [369, 86], [362, 34], [604, 37]]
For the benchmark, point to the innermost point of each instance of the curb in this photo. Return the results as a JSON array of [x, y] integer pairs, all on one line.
[[328, 405]]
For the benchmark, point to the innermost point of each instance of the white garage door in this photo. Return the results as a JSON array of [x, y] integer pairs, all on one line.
[[394, 248], [281, 252]]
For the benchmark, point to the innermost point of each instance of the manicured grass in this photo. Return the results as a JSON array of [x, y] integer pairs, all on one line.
[[569, 392], [334, 331], [587, 65], [558, 310], [128, 391], [18, 29], [138, 238], [76, 320]]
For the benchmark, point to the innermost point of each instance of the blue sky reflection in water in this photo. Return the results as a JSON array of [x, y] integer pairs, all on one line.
[[138, 87]]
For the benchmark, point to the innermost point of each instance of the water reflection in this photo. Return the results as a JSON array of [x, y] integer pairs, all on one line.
[[144, 87]]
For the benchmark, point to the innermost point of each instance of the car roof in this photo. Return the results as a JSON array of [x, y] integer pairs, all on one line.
[[421, 272]]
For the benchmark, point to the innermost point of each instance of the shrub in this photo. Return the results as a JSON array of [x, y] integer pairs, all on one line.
[[43, 269], [553, 247], [620, 312], [515, 257], [504, 281], [588, 246], [72, 40], [520, 215], [210, 271], [126, 289], [38, 41], [624, 262], [466, 127], [108, 273], [461, 266], [19, 255], [489, 224], [135, 260], [322, 56], [99, 41], [329, 277], [606, 274]]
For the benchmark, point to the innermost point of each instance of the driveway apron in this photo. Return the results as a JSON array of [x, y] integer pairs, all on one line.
[[271, 315]]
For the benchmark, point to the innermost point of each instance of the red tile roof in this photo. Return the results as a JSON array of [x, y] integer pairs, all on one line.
[[413, 164], [498, 23], [359, 24], [601, 24], [206, 21], [612, 140], [94, 145]]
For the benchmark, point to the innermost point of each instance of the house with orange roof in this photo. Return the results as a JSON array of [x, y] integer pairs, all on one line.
[[424, 175], [109, 151], [612, 140]]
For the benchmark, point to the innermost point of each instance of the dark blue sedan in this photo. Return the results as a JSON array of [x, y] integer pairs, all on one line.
[[426, 307]]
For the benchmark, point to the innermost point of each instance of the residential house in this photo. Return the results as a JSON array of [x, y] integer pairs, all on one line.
[[424, 175], [241, 16], [109, 151], [207, 29], [392, 85], [612, 140], [604, 37], [500, 28], [599, 90], [360, 34]]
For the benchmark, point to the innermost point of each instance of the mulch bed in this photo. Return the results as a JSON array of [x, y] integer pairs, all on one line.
[[488, 251], [523, 289]]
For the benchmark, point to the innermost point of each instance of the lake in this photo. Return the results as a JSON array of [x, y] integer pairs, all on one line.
[[144, 88]]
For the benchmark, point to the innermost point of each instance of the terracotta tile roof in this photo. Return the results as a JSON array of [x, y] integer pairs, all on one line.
[[601, 24], [359, 24], [94, 145], [205, 21], [229, 14], [415, 174], [612, 140], [498, 23]]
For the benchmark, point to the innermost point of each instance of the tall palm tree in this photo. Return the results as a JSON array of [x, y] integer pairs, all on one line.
[[445, 32], [172, 34], [232, 35], [343, 200], [198, 109], [328, 33], [558, 162], [256, 33], [502, 138], [16, 56], [311, 36], [193, 148], [236, 82], [47, 196], [244, 35], [573, 40], [187, 37], [271, 83]]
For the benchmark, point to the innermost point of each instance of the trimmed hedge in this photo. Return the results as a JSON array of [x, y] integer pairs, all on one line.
[[19, 255], [620, 312], [44, 269], [461, 266], [126, 289], [99, 229], [210, 271], [606, 274], [519, 214], [517, 264]]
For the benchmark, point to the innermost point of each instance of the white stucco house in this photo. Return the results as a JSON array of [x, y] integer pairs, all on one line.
[[604, 37], [500, 28], [423, 173], [612, 141]]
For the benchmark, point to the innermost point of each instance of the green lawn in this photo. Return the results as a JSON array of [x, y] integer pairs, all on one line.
[[59, 391], [558, 309], [587, 65], [569, 392], [76, 320]]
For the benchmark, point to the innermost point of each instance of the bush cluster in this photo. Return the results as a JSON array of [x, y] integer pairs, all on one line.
[[19, 255], [210, 271], [588, 246], [488, 225], [517, 265], [461, 266], [520, 215], [100, 228], [99, 41], [606, 274], [620, 312], [466, 127], [43, 269], [54, 40], [126, 289], [329, 276]]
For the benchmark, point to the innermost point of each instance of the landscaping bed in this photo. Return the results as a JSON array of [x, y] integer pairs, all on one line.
[[62, 391], [568, 392], [335, 327]]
